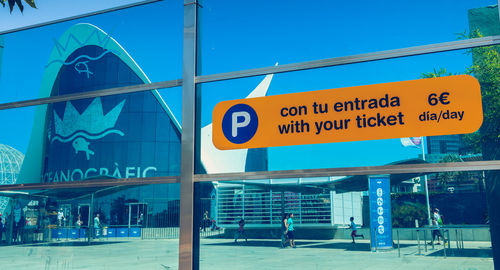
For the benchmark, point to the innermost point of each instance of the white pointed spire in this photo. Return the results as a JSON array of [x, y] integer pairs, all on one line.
[[218, 161]]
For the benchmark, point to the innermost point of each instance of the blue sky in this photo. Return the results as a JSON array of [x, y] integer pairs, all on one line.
[[238, 35]]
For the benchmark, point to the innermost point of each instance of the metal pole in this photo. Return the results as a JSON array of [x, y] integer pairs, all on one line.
[[186, 228], [282, 204], [91, 215], [399, 248], [444, 244], [425, 240], [426, 186], [300, 207], [129, 215], [418, 242], [270, 207], [11, 221], [462, 237], [332, 221], [243, 202]]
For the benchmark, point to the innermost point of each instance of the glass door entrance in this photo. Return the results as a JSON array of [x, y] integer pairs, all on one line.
[[137, 214]]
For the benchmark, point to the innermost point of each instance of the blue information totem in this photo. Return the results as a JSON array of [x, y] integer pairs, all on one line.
[[380, 212]]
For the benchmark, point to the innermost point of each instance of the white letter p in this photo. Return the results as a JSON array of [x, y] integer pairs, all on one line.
[[236, 124]]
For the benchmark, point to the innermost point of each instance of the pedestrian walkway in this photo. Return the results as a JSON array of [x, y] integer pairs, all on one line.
[[225, 254]]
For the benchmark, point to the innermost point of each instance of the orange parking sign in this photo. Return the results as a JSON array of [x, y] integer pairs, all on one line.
[[426, 107]]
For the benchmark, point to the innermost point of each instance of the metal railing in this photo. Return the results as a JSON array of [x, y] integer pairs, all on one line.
[[444, 231]]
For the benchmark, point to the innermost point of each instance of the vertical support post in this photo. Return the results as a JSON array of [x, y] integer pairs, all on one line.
[[426, 186], [282, 203], [187, 247], [270, 207], [300, 207], [243, 202], [129, 214], [10, 231], [418, 242], [399, 247], [444, 243], [332, 221], [217, 206], [425, 240], [91, 219]]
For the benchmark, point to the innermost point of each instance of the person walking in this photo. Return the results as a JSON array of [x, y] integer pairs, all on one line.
[[205, 221], [241, 231], [284, 230], [20, 229], [354, 229], [97, 226], [79, 221], [60, 217], [291, 231], [436, 232], [438, 216]]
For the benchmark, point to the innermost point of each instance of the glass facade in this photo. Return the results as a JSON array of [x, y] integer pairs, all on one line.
[[116, 165]]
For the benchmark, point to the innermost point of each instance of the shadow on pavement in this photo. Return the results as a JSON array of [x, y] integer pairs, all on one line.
[[467, 252], [352, 247], [345, 246], [302, 244], [255, 243]]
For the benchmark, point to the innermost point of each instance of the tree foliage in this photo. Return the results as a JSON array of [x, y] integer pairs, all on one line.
[[445, 178], [18, 3], [486, 69], [436, 73], [404, 215]]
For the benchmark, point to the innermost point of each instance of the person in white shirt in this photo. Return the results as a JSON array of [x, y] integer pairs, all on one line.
[[60, 217], [354, 229]]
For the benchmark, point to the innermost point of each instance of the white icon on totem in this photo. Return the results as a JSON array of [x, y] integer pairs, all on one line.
[[380, 220], [380, 229], [380, 211], [380, 201], [379, 192]]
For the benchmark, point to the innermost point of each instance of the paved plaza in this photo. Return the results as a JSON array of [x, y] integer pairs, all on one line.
[[254, 254]]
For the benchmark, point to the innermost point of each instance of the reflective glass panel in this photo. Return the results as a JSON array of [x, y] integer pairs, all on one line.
[[238, 36], [347, 222], [94, 50]]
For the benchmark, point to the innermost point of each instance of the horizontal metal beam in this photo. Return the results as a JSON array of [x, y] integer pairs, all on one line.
[[433, 48], [78, 16], [92, 94], [348, 171], [95, 183], [372, 170], [357, 58]]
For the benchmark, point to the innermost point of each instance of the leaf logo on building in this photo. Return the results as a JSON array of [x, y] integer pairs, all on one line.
[[92, 124]]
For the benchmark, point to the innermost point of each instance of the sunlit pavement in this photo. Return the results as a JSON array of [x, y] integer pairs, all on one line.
[[254, 254]]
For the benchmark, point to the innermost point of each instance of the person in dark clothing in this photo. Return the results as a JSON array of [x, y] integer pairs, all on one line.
[[291, 230], [284, 230], [205, 222], [436, 232], [240, 232], [20, 229]]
